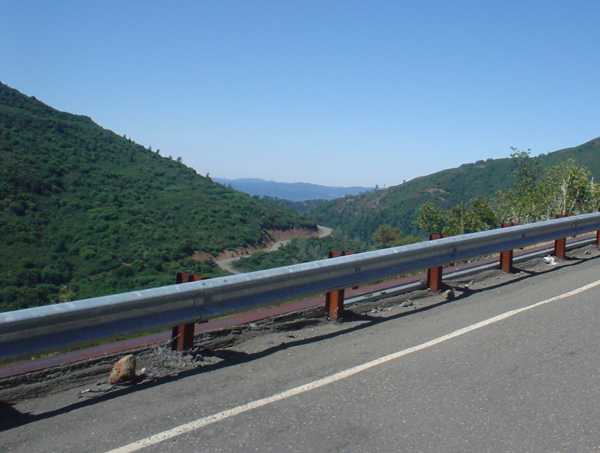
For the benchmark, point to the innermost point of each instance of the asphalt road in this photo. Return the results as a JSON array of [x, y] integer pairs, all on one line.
[[477, 374]]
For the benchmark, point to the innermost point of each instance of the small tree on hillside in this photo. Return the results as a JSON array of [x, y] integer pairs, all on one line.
[[565, 189], [525, 197], [387, 236], [593, 202], [431, 219], [481, 216]]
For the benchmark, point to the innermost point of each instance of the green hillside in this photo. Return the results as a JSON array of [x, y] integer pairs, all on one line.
[[359, 216], [85, 212]]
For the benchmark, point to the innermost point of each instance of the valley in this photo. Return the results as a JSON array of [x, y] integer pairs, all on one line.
[[86, 212]]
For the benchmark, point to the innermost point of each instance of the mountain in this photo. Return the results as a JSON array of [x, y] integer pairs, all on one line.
[[359, 216], [85, 212], [292, 191]]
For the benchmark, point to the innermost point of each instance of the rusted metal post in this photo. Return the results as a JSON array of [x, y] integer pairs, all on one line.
[[506, 256], [560, 245], [598, 238], [434, 274], [560, 248], [182, 335], [334, 300]]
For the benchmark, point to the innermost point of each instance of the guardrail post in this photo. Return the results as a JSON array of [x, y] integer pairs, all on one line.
[[334, 300], [182, 335], [560, 245], [506, 256], [560, 248], [434, 274]]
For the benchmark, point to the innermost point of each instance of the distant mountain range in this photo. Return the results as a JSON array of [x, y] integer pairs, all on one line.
[[292, 191]]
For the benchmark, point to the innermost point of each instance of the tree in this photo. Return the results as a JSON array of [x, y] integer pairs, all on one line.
[[593, 201], [525, 196], [482, 216], [431, 219], [387, 236], [566, 189], [457, 220], [526, 169], [523, 202]]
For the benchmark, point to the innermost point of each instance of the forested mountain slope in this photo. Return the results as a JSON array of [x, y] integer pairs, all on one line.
[[359, 216], [85, 212]]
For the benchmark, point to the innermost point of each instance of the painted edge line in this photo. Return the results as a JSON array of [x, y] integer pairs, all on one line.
[[208, 420]]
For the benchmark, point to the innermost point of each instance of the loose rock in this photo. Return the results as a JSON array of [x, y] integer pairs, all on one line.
[[123, 370], [449, 294]]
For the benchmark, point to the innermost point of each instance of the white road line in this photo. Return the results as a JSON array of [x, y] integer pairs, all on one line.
[[204, 421]]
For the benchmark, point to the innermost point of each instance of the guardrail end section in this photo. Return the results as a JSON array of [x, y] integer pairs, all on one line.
[[182, 335], [334, 300]]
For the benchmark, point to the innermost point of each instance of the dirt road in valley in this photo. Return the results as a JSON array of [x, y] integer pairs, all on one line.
[[227, 262]]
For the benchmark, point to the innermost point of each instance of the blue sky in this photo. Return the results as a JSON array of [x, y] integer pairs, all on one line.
[[342, 93]]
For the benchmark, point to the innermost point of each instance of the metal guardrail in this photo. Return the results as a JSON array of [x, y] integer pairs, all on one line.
[[58, 325], [458, 274]]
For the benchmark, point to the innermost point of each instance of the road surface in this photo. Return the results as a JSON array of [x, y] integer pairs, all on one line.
[[513, 366]]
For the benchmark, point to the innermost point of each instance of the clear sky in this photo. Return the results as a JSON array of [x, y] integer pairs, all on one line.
[[342, 93]]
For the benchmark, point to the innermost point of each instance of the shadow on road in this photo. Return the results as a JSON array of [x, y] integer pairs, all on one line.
[[11, 418]]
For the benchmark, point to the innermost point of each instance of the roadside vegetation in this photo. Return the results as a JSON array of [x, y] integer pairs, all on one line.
[[536, 194]]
